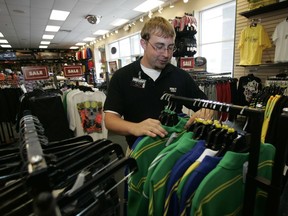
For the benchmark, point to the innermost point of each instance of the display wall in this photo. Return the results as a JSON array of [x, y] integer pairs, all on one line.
[[269, 20]]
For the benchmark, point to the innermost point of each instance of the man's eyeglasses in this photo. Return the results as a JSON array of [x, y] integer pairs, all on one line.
[[160, 48]]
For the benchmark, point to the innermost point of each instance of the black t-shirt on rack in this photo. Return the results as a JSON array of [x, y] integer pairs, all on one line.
[[248, 87]]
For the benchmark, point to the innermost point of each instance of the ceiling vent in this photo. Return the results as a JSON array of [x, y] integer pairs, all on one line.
[[65, 30]]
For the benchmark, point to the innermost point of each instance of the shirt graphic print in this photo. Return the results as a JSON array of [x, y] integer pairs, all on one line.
[[91, 113]]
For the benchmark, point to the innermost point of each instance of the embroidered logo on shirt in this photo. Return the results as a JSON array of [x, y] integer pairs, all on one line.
[[173, 89]]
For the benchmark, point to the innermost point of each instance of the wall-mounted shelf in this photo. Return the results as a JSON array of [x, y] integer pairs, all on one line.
[[265, 9], [268, 65]]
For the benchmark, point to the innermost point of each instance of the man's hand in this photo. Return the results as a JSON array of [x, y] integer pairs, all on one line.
[[149, 127], [202, 113]]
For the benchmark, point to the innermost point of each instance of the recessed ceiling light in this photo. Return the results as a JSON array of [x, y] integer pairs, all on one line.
[[100, 32], [80, 44], [88, 39], [148, 5], [51, 28], [49, 37], [45, 42], [3, 41], [43, 47], [74, 47], [59, 15], [119, 22], [1, 35], [5, 45]]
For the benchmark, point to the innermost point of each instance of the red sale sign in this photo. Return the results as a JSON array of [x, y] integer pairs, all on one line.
[[72, 71], [35, 72]]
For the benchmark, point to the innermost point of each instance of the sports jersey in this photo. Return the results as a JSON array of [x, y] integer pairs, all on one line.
[[144, 153], [171, 206], [143, 203], [280, 39], [253, 40], [267, 115], [271, 136], [221, 192], [158, 181], [208, 164], [191, 168]]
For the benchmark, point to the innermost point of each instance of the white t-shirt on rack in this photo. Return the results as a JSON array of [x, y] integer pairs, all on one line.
[[280, 39], [85, 113]]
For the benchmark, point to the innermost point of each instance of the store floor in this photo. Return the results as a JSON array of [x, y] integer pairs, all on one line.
[[122, 142]]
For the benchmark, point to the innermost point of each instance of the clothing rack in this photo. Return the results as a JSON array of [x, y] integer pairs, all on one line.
[[204, 75], [256, 117], [189, 14], [37, 179], [86, 171]]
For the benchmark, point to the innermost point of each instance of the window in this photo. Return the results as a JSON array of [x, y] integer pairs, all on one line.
[[124, 46], [128, 49], [135, 45], [216, 37]]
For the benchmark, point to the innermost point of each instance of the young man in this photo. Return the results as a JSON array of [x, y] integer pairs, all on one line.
[[133, 104]]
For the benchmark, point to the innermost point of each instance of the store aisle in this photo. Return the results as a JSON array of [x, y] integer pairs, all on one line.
[[121, 141]]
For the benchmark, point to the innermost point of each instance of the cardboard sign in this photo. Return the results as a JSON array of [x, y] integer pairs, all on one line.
[[35, 73], [72, 71]]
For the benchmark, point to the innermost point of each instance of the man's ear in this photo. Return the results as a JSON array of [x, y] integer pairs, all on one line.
[[143, 43]]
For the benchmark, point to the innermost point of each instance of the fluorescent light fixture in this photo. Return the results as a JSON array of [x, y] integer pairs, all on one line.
[[59, 15], [1, 35], [51, 28], [100, 32], [119, 22], [88, 39], [3, 41], [148, 5], [42, 47], [49, 37], [74, 47], [5, 45], [45, 42], [80, 44], [185, 1]]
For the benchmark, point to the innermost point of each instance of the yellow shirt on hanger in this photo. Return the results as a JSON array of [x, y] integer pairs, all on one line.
[[253, 40]]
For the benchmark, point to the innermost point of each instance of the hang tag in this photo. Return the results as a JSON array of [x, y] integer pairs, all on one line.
[[138, 82], [245, 169]]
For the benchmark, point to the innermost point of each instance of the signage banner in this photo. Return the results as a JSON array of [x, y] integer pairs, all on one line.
[[35, 73], [8, 56], [72, 71], [187, 63], [197, 64]]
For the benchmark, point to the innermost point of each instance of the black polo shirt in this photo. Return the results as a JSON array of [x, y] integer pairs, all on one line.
[[137, 103]]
